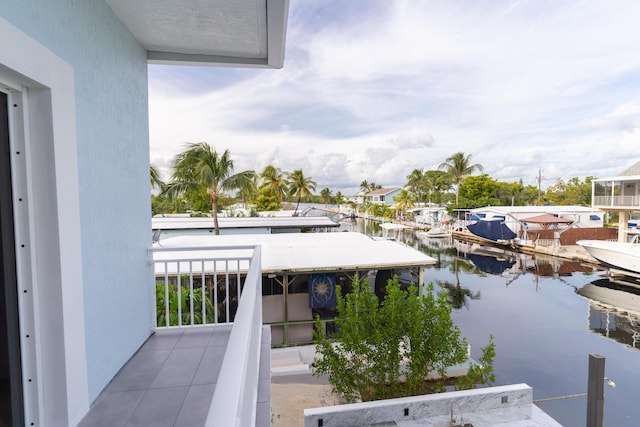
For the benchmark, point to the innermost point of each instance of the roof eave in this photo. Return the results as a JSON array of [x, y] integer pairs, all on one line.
[[277, 18]]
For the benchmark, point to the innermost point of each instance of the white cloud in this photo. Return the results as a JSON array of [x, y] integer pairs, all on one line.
[[373, 89]]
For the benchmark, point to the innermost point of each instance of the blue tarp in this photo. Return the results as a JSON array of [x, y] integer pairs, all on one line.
[[492, 230]]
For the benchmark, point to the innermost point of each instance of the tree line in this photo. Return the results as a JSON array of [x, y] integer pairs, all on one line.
[[203, 180]]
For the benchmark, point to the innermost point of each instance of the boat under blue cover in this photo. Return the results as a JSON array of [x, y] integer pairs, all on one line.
[[492, 230]]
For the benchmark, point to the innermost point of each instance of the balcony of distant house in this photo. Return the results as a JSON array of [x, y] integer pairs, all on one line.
[[616, 194]]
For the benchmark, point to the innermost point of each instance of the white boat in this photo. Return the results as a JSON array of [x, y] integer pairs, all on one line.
[[618, 255], [435, 232]]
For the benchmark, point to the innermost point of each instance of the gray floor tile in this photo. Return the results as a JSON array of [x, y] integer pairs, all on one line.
[[195, 338], [112, 409], [179, 382], [163, 340], [220, 336], [209, 368], [158, 408], [196, 406], [179, 369], [140, 371]]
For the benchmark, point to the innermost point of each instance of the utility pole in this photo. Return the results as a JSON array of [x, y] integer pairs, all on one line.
[[539, 184]]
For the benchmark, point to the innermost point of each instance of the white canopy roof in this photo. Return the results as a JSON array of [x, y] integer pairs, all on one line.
[[304, 252]]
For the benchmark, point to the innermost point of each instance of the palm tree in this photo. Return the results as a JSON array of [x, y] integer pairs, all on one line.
[[200, 166], [404, 200], [249, 192], [367, 187], [325, 195], [300, 186], [275, 179], [415, 182], [156, 182], [458, 166], [364, 186]]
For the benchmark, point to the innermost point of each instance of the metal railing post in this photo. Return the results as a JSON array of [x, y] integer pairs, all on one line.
[[595, 391]]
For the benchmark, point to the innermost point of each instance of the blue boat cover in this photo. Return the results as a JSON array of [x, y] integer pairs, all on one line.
[[489, 264], [492, 230]]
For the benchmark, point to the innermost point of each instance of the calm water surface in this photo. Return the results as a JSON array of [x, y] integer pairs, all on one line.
[[544, 329]]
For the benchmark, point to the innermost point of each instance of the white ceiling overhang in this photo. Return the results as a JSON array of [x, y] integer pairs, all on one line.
[[240, 33]]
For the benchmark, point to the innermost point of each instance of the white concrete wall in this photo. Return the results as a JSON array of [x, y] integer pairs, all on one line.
[[110, 89]]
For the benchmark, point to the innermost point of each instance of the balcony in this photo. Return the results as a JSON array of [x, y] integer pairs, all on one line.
[[616, 202], [619, 193], [204, 365]]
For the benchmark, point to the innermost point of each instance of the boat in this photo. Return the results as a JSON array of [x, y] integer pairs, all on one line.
[[438, 232], [493, 229], [624, 256]]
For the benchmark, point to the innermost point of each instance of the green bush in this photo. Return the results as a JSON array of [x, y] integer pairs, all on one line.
[[185, 305], [393, 348]]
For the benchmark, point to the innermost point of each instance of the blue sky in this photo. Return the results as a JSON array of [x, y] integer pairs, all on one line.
[[374, 89]]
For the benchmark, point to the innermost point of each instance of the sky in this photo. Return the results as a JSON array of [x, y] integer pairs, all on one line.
[[371, 90]]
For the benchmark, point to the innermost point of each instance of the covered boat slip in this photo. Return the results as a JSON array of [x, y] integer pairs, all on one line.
[[300, 272]]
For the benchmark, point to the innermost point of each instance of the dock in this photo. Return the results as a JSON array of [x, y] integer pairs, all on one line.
[[570, 252]]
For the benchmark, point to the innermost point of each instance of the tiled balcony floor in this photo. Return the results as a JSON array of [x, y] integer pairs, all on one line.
[[171, 379]]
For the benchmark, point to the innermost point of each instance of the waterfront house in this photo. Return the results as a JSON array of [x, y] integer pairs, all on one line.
[[74, 208], [619, 194], [431, 215], [382, 195]]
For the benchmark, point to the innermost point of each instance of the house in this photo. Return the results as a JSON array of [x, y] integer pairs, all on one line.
[[432, 215], [618, 194], [383, 195], [74, 196]]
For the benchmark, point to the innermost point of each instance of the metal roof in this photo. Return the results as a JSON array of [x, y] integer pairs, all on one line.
[[160, 223], [382, 191], [246, 33], [306, 252], [619, 178]]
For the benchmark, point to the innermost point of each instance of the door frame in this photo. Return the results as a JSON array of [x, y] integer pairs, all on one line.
[[47, 229], [8, 253]]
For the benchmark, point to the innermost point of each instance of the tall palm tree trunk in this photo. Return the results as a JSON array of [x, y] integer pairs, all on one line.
[[295, 212], [214, 213]]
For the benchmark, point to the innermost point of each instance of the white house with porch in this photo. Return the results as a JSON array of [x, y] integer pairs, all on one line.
[[619, 194]]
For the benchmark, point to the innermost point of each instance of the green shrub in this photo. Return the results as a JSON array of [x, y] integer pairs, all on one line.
[[185, 305], [393, 348]]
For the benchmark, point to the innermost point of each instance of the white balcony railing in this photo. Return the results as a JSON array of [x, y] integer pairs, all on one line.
[[616, 201], [197, 286]]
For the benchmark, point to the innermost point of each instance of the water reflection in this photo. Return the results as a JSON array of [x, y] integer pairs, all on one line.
[[538, 320], [614, 309], [459, 296]]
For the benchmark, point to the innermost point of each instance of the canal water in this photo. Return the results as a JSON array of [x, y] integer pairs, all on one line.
[[546, 315]]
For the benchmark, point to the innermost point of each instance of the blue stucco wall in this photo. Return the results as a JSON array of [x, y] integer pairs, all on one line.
[[110, 70]]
